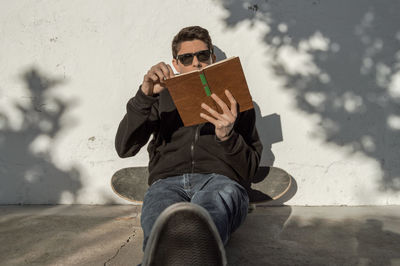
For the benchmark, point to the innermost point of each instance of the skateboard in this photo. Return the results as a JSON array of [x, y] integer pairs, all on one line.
[[269, 184]]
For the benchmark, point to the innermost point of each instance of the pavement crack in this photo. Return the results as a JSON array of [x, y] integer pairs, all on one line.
[[122, 246]]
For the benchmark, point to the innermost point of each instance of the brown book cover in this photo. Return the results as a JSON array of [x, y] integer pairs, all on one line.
[[191, 89]]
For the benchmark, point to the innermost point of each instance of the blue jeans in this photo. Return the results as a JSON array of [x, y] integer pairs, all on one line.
[[226, 200]]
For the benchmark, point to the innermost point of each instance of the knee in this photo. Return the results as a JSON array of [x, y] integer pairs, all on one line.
[[235, 192], [228, 198]]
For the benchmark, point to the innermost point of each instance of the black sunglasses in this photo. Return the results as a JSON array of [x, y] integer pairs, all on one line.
[[187, 59]]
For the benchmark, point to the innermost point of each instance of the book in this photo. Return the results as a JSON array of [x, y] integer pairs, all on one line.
[[190, 90]]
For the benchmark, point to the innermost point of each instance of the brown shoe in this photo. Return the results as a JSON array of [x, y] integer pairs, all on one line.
[[184, 234]]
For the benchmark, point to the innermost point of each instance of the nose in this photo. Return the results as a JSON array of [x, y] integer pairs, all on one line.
[[196, 62]]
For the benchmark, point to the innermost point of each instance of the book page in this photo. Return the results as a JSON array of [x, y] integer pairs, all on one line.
[[199, 70]]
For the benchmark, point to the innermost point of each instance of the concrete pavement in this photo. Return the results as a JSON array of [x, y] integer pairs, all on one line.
[[111, 235]]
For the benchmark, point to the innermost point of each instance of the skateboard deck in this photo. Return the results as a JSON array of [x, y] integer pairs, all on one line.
[[270, 183]]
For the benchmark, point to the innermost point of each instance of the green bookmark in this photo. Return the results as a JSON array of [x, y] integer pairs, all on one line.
[[204, 81]]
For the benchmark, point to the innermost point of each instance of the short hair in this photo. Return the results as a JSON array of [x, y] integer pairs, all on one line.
[[189, 34]]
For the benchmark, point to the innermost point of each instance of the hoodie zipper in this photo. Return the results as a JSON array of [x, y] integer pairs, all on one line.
[[196, 137]]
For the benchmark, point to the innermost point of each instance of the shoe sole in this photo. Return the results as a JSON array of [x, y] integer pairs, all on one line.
[[184, 234]]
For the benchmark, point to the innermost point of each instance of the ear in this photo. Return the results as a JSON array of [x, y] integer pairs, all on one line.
[[214, 58], [175, 63]]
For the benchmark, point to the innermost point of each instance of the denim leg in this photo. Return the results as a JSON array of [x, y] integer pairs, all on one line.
[[226, 201], [160, 195]]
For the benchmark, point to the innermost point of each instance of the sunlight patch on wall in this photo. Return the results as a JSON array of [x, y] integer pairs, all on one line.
[[368, 143], [300, 60], [32, 175], [315, 99], [352, 103], [40, 144], [383, 75], [316, 42], [297, 61], [393, 122], [394, 86], [66, 198]]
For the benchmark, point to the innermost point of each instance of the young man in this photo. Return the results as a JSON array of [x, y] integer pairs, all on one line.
[[208, 166]]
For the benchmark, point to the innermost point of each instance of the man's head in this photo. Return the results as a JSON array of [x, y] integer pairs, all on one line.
[[192, 49]]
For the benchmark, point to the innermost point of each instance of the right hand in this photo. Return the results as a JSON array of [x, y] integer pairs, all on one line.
[[153, 81]]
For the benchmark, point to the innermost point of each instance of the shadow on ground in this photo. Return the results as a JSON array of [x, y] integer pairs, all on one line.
[[68, 234], [341, 63], [269, 237]]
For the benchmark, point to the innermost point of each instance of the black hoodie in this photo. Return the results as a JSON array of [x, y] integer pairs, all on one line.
[[176, 150]]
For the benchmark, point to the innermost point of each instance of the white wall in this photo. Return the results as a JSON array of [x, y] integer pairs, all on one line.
[[325, 75]]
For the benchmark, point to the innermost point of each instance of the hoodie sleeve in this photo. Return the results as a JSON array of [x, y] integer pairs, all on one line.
[[140, 121], [243, 149]]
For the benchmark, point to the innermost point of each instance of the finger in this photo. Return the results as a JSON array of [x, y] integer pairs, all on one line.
[[210, 119], [227, 114], [211, 111], [150, 76], [171, 72], [220, 102], [159, 74], [233, 102], [164, 69]]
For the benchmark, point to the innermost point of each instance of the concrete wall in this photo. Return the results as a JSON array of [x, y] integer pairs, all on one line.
[[325, 77]]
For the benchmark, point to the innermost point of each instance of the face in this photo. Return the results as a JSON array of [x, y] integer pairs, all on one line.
[[192, 47]]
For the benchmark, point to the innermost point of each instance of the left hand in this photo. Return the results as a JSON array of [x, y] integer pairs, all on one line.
[[223, 122]]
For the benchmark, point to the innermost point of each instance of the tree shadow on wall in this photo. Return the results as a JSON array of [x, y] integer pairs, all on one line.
[[28, 172], [340, 60]]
